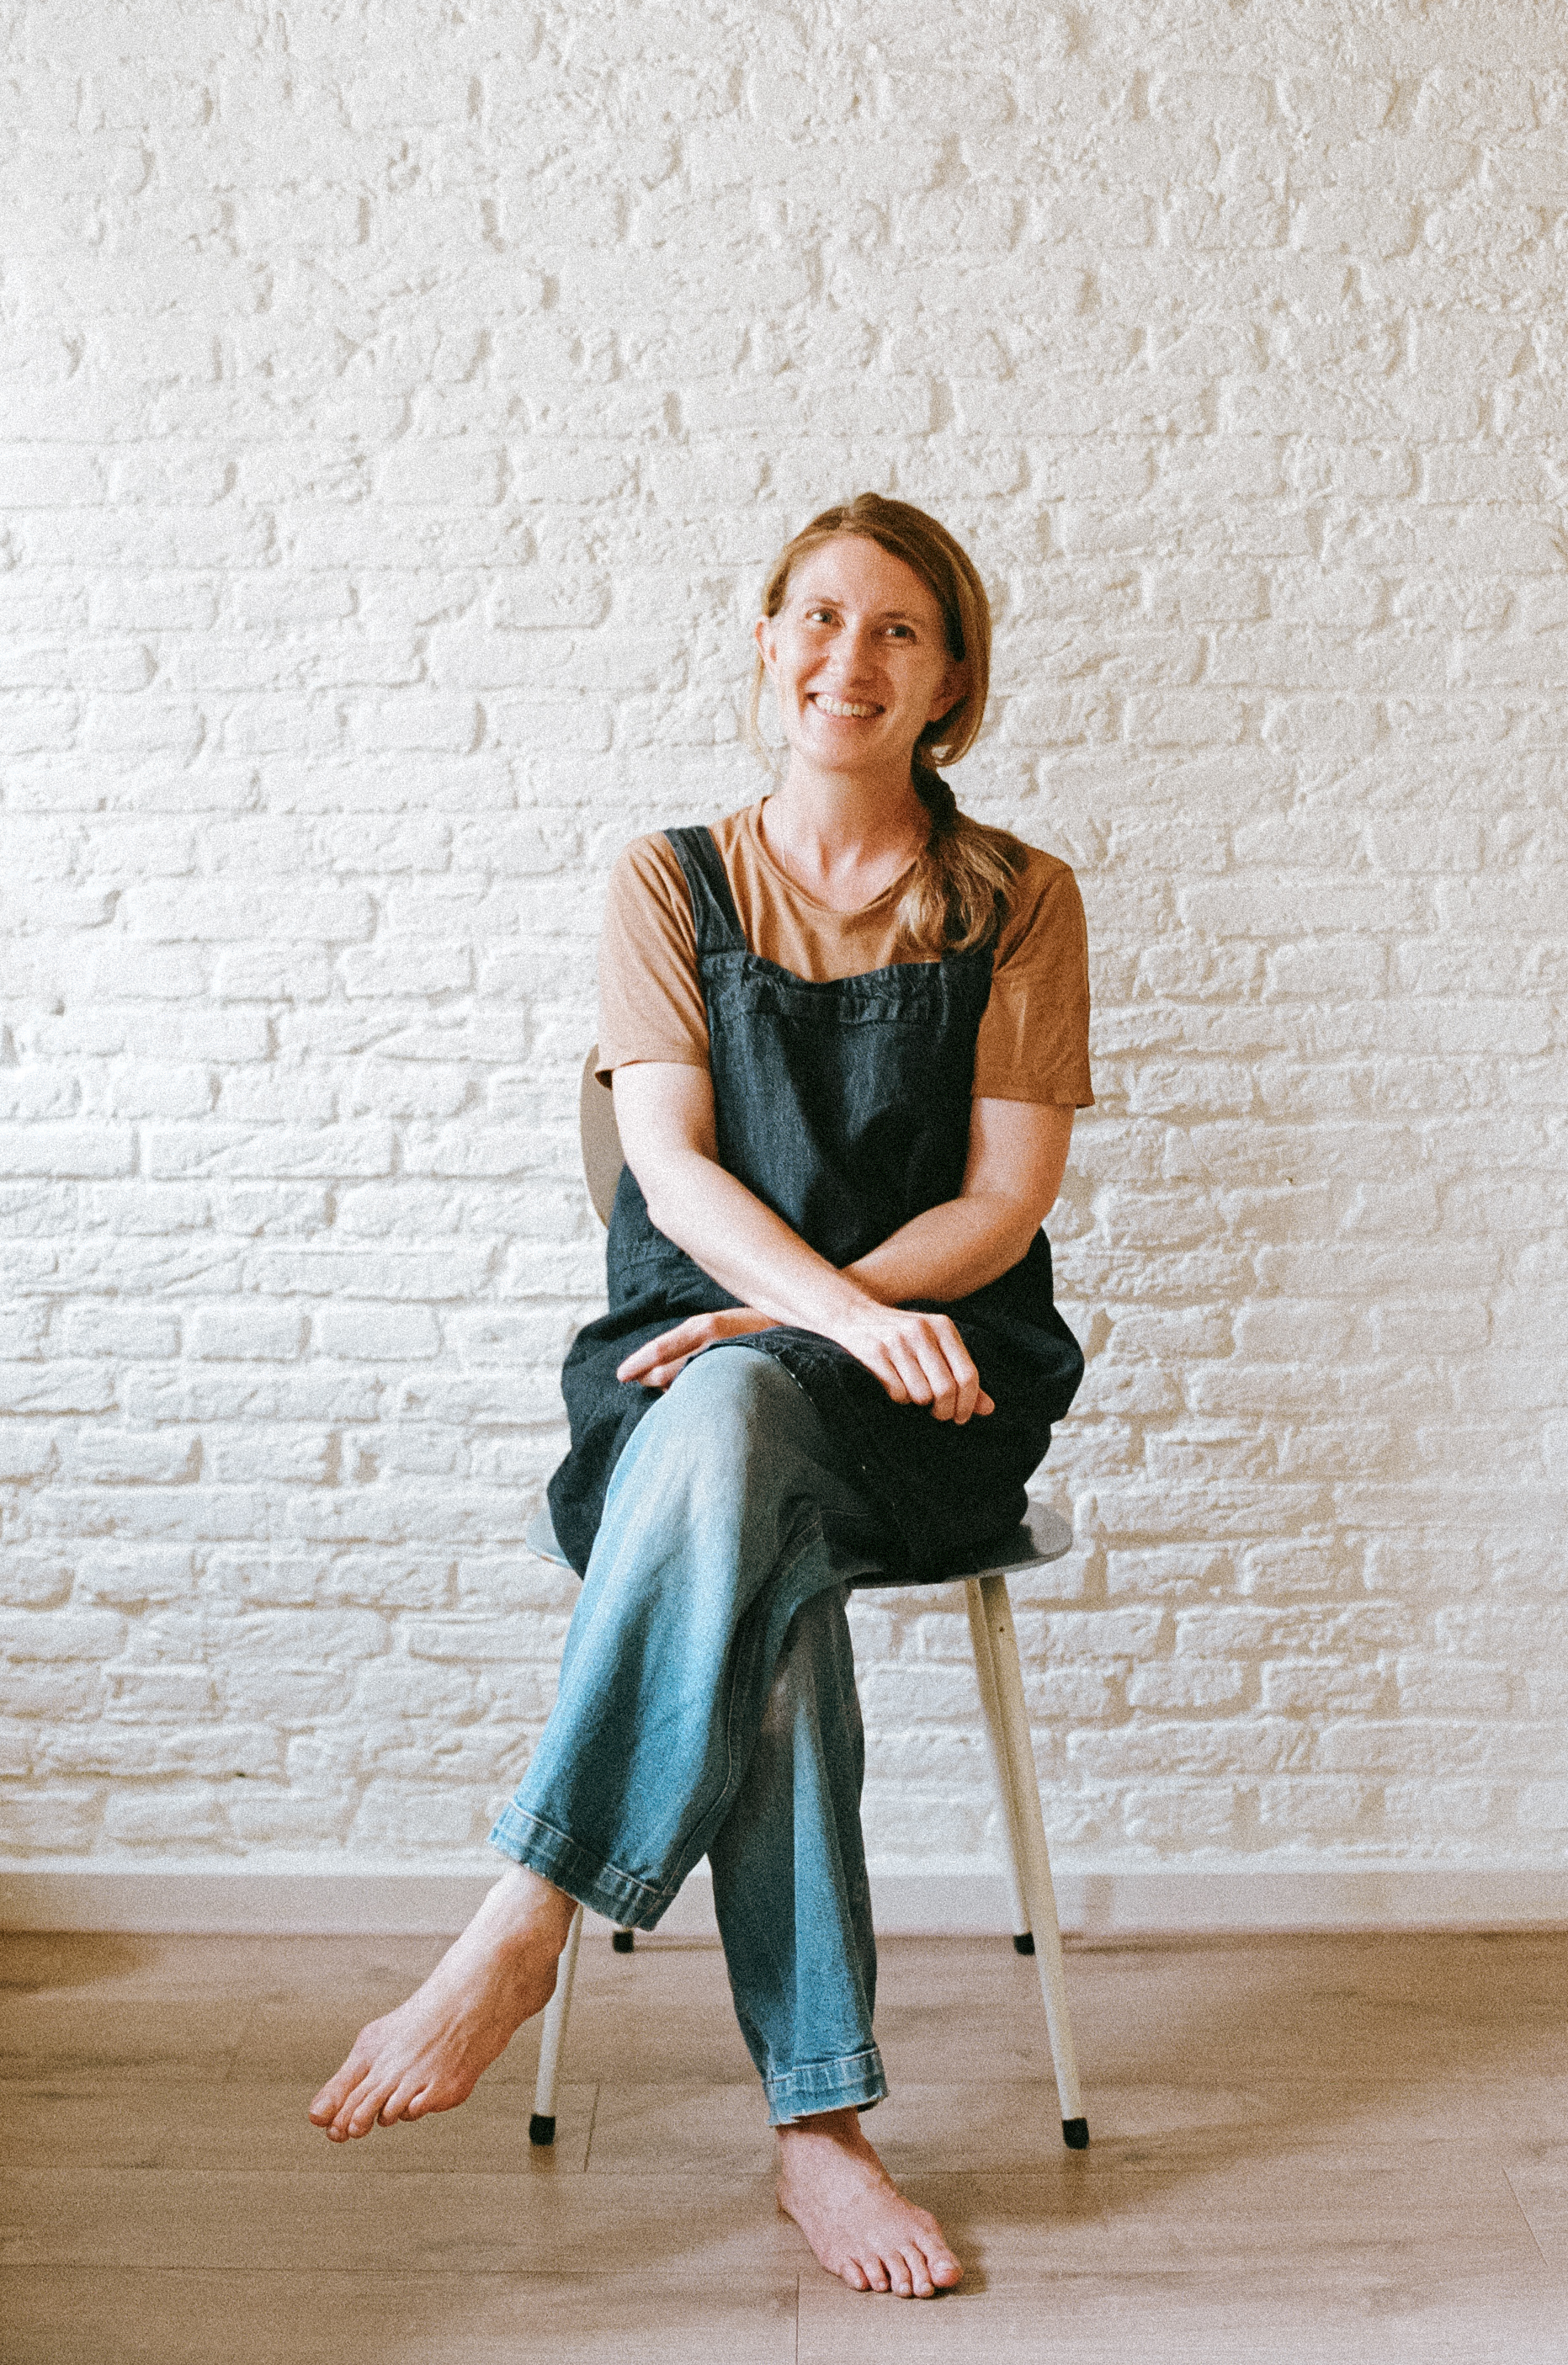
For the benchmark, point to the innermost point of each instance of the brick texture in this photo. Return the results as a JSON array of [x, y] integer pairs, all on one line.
[[399, 406]]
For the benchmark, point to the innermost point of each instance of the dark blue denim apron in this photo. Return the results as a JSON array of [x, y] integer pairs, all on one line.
[[844, 1106]]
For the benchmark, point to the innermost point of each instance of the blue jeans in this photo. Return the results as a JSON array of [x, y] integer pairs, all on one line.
[[707, 1707]]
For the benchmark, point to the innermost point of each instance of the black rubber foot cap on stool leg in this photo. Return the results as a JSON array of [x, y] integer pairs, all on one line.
[[1022, 1942], [541, 2130], [1075, 2134], [623, 1941]]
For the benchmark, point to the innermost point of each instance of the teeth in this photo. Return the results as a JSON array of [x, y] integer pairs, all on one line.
[[838, 706]]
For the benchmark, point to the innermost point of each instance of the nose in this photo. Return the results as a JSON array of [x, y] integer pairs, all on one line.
[[855, 651]]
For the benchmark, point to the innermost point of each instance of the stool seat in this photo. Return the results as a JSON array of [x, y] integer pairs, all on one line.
[[1042, 1535]]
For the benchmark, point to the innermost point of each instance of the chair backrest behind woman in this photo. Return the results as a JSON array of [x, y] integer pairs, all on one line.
[[600, 1136]]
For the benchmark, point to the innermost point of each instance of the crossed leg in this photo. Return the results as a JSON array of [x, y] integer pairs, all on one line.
[[730, 1413]]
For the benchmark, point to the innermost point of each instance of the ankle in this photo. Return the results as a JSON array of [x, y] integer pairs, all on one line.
[[529, 1913], [841, 2127]]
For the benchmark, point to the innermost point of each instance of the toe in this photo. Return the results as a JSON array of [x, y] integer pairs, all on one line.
[[338, 2127], [919, 2274], [406, 2101], [335, 2092], [362, 2109]]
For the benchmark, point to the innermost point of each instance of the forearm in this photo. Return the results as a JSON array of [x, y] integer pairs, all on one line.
[[947, 1252], [939, 1256], [1017, 1158], [746, 1248]]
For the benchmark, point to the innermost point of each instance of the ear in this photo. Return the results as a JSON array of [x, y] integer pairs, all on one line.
[[767, 639], [953, 686]]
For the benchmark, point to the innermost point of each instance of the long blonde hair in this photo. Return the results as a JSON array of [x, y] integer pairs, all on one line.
[[961, 885]]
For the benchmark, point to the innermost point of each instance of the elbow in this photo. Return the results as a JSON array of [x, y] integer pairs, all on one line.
[[660, 1207], [1025, 1235], [665, 1200], [1016, 1236]]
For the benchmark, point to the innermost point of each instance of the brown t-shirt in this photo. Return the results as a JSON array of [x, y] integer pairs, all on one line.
[[1034, 1036]]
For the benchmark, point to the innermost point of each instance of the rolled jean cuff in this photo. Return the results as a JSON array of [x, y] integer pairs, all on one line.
[[853, 2083], [621, 1897]]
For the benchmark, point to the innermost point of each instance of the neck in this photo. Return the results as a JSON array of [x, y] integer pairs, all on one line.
[[846, 837], [850, 809]]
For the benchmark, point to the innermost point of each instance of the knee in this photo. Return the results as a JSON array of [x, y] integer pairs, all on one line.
[[741, 1395], [733, 1428]]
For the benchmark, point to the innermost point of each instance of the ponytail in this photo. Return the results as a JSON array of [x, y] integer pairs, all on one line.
[[959, 894]]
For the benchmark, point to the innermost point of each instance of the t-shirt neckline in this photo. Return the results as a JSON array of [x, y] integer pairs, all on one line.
[[803, 894]]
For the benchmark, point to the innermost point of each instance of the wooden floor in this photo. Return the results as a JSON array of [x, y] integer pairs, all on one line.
[[1324, 2149]]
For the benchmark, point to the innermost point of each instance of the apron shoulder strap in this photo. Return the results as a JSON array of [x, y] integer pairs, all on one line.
[[718, 922]]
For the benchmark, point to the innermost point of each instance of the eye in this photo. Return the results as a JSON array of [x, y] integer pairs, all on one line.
[[819, 615], [901, 631]]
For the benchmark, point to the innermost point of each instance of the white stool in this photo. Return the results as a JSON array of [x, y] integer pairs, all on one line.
[[1042, 1536]]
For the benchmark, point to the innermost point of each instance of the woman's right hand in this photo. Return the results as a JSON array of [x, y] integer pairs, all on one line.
[[664, 1357], [920, 1359]]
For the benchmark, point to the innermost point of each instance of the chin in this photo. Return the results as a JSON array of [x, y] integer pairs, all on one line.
[[841, 758]]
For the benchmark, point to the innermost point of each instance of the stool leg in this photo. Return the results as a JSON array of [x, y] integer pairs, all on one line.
[[542, 2125], [1034, 1854], [991, 1718]]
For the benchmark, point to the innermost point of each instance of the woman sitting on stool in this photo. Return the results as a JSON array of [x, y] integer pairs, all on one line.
[[848, 1030]]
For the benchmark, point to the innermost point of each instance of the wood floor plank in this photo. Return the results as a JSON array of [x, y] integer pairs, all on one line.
[[1050, 2220], [106, 2316], [192, 2038], [135, 2123], [1398, 2005], [696, 2127], [1538, 2173], [1411, 2312], [454, 2224], [1259, 2209], [115, 1963]]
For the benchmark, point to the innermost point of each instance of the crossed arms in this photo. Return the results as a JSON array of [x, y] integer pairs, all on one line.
[[1017, 1154]]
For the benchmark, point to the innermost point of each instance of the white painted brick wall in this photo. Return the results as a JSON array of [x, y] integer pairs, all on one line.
[[399, 406]]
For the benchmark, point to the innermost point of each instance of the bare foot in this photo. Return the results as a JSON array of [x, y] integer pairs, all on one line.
[[429, 2053], [853, 2214]]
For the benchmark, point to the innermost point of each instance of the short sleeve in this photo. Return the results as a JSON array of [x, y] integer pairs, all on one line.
[[1034, 1037], [650, 997]]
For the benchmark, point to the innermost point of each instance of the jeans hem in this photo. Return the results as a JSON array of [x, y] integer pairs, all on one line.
[[621, 1897], [855, 2082]]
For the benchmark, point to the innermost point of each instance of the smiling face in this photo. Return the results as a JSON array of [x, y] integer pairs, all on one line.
[[857, 658]]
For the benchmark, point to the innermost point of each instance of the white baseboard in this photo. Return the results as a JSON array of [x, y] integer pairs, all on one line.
[[312, 1897]]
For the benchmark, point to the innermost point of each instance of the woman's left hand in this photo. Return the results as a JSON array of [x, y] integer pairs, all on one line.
[[656, 1364]]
